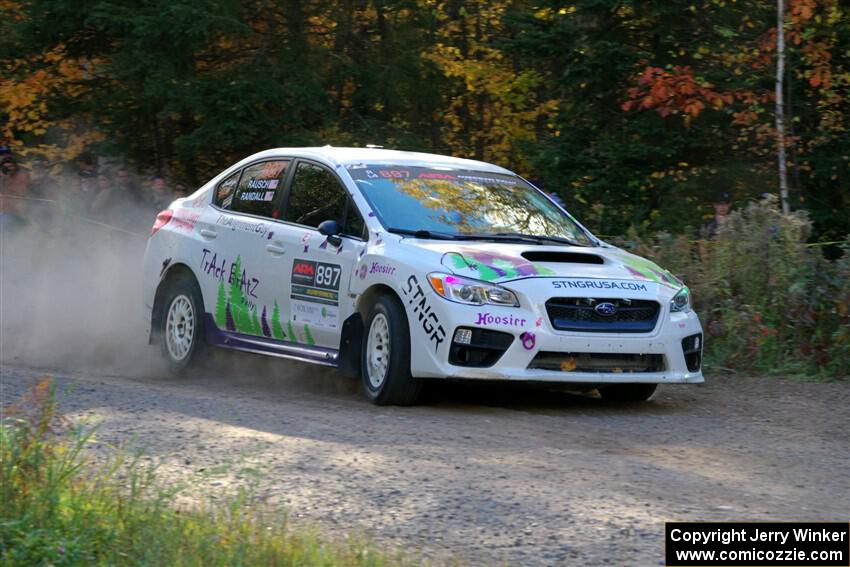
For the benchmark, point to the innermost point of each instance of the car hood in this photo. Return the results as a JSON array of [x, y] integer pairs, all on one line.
[[501, 262]]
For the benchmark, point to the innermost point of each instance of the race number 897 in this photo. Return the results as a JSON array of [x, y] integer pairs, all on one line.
[[327, 275]]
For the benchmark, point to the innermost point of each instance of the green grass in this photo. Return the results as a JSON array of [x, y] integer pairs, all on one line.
[[61, 508]]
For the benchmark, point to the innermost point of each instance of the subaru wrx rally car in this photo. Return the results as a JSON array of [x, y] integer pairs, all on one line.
[[399, 266]]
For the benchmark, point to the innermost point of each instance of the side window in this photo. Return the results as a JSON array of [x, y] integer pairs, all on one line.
[[224, 191], [354, 225], [316, 196], [257, 190]]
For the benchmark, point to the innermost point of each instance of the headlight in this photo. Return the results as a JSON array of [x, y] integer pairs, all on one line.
[[471, 292], [681, 301]]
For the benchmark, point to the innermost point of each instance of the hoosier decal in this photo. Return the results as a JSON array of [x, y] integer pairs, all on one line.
[[430, 322], [503, 320]]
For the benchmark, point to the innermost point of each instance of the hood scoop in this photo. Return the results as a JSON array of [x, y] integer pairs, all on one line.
[[562, 257]]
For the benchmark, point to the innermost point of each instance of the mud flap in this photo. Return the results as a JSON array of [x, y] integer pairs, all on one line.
[[350, 345]]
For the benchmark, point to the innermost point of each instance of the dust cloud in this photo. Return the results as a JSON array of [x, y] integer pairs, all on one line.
[[71, 291], [71, 299]]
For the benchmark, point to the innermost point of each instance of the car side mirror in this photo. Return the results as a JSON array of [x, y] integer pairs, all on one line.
[[330, 228]]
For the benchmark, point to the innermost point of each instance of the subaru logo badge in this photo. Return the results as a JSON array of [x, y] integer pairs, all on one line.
[[606, 309]]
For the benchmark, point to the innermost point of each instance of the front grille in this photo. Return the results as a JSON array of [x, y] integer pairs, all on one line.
[[580, 314], [597, 362]]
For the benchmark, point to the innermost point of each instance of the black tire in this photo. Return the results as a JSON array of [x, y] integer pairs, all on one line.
[[398, 386], [185, 292], [627, 392]]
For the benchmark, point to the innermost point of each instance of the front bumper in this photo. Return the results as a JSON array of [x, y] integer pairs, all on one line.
[[536, 336]]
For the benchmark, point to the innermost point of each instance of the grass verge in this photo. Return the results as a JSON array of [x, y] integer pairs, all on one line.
[[61, 508]]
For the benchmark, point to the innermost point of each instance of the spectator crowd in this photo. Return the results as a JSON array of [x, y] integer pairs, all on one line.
[[89, 188]]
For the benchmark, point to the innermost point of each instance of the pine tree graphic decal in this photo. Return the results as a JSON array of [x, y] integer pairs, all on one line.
[[255, 323], [238, 306], [220, 307], [277, 330], [230, 325], [265, 324]]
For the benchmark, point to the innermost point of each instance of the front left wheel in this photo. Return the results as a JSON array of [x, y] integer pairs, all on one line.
[[385, 360], [181, 324]]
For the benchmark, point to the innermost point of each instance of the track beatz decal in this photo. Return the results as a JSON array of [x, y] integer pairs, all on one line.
[[217, 268], [314, 299], [489, 266], [429, 320]]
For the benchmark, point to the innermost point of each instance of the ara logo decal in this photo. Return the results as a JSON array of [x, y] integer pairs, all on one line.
[[429, 320], [304, 269]]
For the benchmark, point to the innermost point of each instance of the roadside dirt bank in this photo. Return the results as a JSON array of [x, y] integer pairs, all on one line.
[[479, 473]]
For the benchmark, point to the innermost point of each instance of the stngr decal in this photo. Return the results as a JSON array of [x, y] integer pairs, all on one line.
[[429, 320]]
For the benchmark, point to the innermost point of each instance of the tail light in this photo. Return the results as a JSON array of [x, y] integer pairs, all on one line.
[[161, 220]]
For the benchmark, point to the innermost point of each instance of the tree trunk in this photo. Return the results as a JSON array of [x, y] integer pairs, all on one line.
[[780, 107]]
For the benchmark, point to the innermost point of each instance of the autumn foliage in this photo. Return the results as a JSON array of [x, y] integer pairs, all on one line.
[[600, 102], [674, 92]]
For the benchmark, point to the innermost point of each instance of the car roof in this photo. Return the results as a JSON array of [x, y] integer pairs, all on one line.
[[357, 156]]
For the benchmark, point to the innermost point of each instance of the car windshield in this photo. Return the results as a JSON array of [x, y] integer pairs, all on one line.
[[459, 203]]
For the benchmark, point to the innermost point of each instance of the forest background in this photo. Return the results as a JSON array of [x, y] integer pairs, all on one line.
[[638, 113]]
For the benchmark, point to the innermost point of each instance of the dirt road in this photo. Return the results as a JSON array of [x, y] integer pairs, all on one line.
[[482, 474]]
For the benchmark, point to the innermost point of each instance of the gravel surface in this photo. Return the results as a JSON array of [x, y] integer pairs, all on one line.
[[485, 474], [481, 473]]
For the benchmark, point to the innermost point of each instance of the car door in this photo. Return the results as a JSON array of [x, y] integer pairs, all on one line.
[[241, 252], [315, 294]]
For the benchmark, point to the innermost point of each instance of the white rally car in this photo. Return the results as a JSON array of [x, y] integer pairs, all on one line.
[[399, 266]]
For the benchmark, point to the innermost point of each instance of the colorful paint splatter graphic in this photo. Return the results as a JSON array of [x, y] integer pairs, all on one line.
[[643, 269], [494, 266]]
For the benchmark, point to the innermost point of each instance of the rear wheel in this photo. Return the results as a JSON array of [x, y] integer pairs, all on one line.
[[385, 360], [627, 392], [181, 325]]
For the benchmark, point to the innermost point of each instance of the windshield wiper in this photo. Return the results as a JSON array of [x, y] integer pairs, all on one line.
[[421, 233], [496, 236], [520, 237]]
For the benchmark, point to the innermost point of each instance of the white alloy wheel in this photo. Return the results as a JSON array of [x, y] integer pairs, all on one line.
[[378, 350], [180, 327]]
